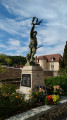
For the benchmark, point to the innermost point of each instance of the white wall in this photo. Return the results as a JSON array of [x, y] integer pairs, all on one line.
[[47, 65]]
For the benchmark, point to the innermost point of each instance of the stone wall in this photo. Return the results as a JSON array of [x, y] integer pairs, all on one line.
[[13, 75], [10, 75], [50, 73], [52, 112]]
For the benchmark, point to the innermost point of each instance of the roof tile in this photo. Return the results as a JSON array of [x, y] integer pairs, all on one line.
[[48, 57]]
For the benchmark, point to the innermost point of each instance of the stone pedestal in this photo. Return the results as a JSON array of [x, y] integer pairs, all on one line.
[[31, 77]]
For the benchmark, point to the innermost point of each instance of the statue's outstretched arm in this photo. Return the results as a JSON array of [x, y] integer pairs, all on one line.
[[31, 32]]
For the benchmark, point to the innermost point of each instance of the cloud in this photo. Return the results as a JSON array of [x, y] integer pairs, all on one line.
[[14, 42], [42, 8], [12, 26], [16, 47], [51, 34], [2, 46], [50, 50], [13, 47]]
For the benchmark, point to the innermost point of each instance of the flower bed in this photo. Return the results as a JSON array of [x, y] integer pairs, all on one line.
[[54, 81], [52, 99], [12, 102]]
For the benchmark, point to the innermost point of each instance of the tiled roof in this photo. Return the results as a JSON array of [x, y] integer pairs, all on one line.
[[42, 57], [55, 57]]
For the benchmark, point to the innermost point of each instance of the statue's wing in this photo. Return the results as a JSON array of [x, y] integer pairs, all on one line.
[[36, 23], [39, 22]]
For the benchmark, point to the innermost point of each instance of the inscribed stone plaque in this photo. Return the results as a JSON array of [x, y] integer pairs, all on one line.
[[26, 80]]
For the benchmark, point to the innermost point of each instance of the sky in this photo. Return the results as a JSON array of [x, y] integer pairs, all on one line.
[[15, 26]]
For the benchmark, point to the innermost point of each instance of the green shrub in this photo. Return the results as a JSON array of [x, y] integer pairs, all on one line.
[[11, 102], [59, 80], [8, 89], [38, 96], [31, 103], [63, 71]]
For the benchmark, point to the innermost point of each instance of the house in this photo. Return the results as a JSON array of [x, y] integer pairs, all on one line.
[[49, 62]]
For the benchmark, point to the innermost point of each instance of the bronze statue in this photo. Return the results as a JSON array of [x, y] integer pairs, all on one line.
[[33, 42]]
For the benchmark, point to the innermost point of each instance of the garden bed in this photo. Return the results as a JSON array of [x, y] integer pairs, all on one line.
[[47, 112], [12, 102]]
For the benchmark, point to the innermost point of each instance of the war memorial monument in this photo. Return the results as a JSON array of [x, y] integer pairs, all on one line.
[[32, 74]]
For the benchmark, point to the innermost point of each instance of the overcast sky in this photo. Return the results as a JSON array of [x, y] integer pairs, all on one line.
[[15, 26]]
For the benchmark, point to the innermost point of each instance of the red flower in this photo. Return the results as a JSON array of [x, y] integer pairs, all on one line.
[[49, 97]]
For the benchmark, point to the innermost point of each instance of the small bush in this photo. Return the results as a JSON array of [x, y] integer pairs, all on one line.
[[11, 102], [52, 99], [39, 95], [59, 80], [8, 89]]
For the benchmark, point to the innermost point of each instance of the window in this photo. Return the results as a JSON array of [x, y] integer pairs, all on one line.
[[52, 59], [52, 66]]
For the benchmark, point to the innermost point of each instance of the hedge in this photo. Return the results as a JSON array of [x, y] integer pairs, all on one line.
[[59, 80]]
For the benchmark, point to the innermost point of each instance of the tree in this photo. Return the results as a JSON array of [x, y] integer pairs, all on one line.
[[4, 60], [20, 60], [65, 55], [63, 62]]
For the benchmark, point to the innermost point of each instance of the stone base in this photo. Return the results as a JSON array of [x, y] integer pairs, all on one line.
[[37, 77]]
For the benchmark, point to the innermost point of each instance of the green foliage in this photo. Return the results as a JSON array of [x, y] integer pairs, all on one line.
[[49, 89], [31, 103], [39, 95], [59, 80], [11, 102], [57, 90], [62, 71], [63, 63], [4, 60], [8, 89], [20, 60], [65, 54], [36, 94], [46, 101], [12, 60], [2, 68]]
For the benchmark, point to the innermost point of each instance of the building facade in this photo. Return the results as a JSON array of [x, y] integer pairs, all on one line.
[[49, 62]]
